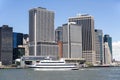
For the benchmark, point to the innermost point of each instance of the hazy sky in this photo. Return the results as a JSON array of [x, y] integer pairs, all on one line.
[[106, 13]]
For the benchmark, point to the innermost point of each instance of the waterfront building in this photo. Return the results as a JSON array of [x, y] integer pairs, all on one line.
[[17, 40], [72, 41], [88, 36], [41, 32], [23, 49], [6, 45], [107, 54], [59, 34], [108, 39], [99, 46]]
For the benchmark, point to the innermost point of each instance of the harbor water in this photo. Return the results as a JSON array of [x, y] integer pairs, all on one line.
[[107, 73]]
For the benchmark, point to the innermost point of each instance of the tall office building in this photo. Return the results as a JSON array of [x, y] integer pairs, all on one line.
[[41, 24], [41, 33], [108, 39], [72, 41], [6, 45], [99, 46], [88, 36]]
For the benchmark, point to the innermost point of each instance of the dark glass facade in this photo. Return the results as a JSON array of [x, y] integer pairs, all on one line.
[[99, 46], [6, 45], [17, 40], [18, 52]]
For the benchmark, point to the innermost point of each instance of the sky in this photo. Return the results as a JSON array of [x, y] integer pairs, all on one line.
[[106, 15]]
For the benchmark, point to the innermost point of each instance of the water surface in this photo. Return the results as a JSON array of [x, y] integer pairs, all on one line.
[[110, 73]]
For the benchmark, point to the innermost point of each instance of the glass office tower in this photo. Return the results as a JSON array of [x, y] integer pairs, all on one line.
[[99, 46], [108, 39]]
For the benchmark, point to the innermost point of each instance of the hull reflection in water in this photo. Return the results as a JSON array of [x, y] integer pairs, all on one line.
[[58, 69]]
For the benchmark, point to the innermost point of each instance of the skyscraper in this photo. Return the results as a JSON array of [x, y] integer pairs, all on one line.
[[88, 36], [41, 32], [72, 41], [6, 45], [99, 46], [41, 24], [108, 39]]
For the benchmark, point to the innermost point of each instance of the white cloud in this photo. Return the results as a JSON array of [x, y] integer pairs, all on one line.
[[116, 50]]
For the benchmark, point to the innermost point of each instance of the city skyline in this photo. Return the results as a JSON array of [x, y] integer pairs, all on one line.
[[17, 15]]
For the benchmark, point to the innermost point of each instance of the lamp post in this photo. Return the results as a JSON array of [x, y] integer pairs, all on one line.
[[69, 39]]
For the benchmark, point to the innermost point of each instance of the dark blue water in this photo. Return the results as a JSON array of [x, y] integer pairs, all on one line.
[[111, 73]]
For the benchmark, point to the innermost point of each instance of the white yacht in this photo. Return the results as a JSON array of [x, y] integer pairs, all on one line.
[[54, 65]]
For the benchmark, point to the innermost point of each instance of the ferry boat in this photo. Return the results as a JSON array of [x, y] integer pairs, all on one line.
[[54, 65]]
